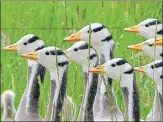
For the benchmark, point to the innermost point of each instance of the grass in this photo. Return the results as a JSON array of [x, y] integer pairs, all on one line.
[[52, 21]]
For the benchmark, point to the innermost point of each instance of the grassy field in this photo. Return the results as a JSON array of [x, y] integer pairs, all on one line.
[[50, 20]]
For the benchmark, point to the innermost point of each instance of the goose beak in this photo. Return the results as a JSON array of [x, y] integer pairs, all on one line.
[[158, 42], [98, 70], [140, 69], [134, 29], [136, 47], [32, 56], [73, 38], [13, 48]]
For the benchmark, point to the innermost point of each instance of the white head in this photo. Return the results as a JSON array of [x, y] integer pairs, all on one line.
[[79, 53], [153, 51], [114, 69], [26, 44], [147, 28], [96, 33], [50, 57]]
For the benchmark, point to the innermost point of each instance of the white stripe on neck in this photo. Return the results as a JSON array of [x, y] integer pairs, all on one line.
[[33, 66]]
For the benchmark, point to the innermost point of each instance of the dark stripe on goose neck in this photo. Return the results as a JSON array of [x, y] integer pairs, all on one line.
[[84, 46], [91, 97], [62, 92], [92, 56], [62, 64], [130, 71], [57, 52], [121, 62], [98, 28], [153, 23], [160, 32], [39, 48], [157, 65], [33, 39], [136, 106], [107, 39]]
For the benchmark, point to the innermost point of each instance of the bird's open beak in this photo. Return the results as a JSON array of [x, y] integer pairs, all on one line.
[[32, 56], [136, 46], [134, 29], [98, 70], [158, 42], [13, 47], [73, 38], [140, 69]]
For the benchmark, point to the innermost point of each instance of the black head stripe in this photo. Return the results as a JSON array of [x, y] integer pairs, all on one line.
[[33, 39], [130, 71], [85, 46], [153, 23], [61, 64], [108, 38], [39, 48], [56, 52], [98, 29], [157, 65], [92, 56], [160, 32], [121, 62]]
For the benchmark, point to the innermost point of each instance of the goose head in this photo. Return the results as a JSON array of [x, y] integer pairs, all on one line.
[[96, 33], [52, 58], [114, 68], [79, 52], [147, 28], [153, 70], [149, 49], [26, 44]]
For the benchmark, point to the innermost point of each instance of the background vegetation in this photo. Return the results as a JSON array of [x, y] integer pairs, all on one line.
[[52, 21]]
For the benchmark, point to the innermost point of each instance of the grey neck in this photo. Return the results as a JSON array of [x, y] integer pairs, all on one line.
[[161, 103]]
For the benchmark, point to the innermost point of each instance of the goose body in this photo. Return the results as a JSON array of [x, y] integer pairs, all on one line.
[[102, 41], [28, 107], [56, 62], [148, 28], [79, 53], [154, 71], [7, 105], [120, 70]]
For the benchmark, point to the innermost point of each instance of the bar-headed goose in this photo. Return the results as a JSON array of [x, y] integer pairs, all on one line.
[[147, 28], [7, 105], [28, 106], [120, 70], [99, 37], [149, 49], [56, 62], [79, 52], [154, 71]]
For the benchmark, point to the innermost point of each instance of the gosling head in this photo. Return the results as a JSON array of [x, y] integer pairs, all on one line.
[[79, 52], [50, 57], [95, 32], [149, 49], [26, 44], [147, 28], [114, 68]]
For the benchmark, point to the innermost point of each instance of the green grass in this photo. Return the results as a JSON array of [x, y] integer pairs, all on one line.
[[55, 17]]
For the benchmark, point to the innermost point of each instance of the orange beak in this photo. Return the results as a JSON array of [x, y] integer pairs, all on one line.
[[98, 70], [13, 47], [134, 29], [158, 42], [140, 69], [136, 47], [32, 56], [73, 38]]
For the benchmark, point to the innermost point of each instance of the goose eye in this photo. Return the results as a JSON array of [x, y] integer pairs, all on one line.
[[147, 25], [76, 49], [47, 53], [152, 67], [25, 43], [150, 45], [90, 31], [113, 65], [161, 76]]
